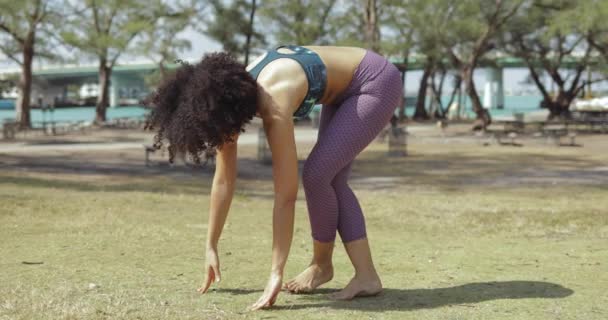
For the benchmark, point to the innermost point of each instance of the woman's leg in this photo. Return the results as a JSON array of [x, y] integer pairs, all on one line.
[[331, 203], [320, 269]]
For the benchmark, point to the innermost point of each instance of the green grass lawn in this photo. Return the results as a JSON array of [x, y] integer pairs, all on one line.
[[457, 232]]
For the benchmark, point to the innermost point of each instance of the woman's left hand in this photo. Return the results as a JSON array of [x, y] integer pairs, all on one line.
[[273, 287]]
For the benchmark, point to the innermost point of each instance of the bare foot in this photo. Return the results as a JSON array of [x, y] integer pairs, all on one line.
[[309, 279], [359, 288]]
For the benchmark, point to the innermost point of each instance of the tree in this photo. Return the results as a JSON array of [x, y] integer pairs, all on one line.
[[21, 25], [105, 30], [161, 43], [249, 34], [7, 84], [473, 31], [425, 25], [590, 17], [232, 25], [540, 38], [372, 32], [299, 22], [400, 41]]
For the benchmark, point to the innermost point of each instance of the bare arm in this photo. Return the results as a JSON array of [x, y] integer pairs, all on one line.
[[222, 191], [285, 173], [278, 123]]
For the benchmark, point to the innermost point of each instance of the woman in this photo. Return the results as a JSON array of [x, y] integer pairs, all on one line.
[[206, 106]]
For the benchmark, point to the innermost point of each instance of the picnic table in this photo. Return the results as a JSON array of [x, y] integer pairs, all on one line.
[[556, 130], [9, 129], [511, 129], [593, 120], [127, 122], [502, 129]]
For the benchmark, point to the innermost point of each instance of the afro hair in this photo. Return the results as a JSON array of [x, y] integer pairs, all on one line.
[[202, 106]]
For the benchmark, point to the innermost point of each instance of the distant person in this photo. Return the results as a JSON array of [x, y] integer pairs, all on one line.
[[206, 106]]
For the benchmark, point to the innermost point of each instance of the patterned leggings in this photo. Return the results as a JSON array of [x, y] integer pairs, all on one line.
[[346, 128]]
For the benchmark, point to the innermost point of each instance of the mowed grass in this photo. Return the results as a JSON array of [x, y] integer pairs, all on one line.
[[457, 232]]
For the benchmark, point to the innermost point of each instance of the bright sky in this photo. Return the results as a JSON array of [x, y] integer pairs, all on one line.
[[200, 44]]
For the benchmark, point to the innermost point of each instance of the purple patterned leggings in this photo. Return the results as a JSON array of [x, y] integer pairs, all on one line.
[[346, 128]]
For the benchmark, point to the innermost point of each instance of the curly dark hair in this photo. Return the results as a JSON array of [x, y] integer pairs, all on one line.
[[202, 106]]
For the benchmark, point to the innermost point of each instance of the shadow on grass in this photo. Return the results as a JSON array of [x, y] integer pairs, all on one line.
[[449, 169], [100, 186], [465, 295], [236, 291], [108, 165], [192, 182], [116, 163], [456, 169], [68, 141]]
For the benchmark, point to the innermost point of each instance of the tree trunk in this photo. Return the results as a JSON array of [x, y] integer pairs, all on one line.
[[483, 116], [103, 99], [372, 34], [439, 112], [420, 113], [25, 83], [402, 106], [559, 107], [250, 32], [162, 69], [457, 82]]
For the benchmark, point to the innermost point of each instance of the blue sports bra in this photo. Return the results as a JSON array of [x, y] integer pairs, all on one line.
[[315, 70]]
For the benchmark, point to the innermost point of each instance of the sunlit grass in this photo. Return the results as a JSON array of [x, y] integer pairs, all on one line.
[[457, 232]]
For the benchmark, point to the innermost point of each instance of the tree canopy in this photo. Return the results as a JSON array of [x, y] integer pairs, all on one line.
[[451, 39]]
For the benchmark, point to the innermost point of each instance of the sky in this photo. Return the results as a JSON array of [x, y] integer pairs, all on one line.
[[200, 44]]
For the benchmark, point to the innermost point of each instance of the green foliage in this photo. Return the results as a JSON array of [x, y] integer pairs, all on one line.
[[427, 23], [20, 19], [229, 24], [346, 25], [162, 43], [73, 91], [476, 25], [396, 16], [302, 22], [590, 17], [106, 29], [549, 34], [7, 83]]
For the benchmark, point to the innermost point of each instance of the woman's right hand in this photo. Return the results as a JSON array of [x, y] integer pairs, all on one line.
[[212, 268]]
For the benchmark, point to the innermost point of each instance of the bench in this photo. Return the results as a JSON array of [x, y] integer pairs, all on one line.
[[148, 148], [209, 156], [397, 142], [500, 131], [9, 129], [554, 133]]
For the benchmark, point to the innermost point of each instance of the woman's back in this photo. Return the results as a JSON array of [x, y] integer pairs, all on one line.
[[340, 64]]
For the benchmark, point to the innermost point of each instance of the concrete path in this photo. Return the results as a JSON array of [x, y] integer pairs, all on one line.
[[304, 135], [250, 137]]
